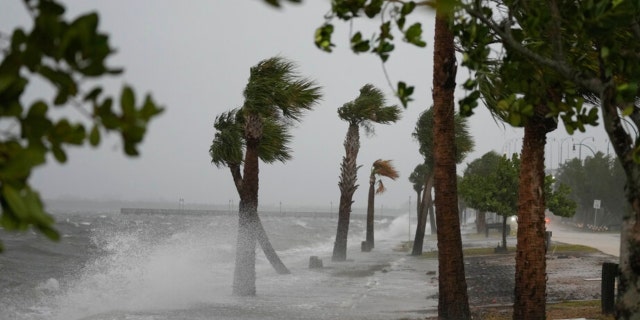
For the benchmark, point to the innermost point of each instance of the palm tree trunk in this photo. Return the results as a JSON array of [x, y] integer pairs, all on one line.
[[432, 219], [370, 211], [453, 301], [347, 185], [418, 203], [244, 277], [530, 281], [418, 241], [267, 248]]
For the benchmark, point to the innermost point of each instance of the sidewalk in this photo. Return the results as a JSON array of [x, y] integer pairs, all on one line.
[[387, 284]]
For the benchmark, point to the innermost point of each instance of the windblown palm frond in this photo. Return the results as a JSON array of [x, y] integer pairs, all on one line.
[[368, 109], [227, 146], [274, 145], [276, 90], [228, 143], [423, 132], [417, 176], [383, 168]]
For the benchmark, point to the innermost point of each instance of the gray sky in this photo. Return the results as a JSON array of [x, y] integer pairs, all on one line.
[[194, 57]]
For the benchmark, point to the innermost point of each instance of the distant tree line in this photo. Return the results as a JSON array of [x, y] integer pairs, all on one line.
[[597, 177]]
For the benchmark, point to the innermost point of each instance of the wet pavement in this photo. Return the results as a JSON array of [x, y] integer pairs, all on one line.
[[394, 285]]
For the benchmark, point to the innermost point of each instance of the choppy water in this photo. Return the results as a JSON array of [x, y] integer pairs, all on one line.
[[142, 267]]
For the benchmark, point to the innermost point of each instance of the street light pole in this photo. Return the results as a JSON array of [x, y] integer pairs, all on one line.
[[560, 153], [580, 148]]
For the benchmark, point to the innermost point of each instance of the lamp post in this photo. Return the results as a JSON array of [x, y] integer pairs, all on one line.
[[550, 142], [580, 148], [560, 153]]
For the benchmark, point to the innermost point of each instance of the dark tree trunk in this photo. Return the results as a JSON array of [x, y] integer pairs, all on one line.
[[432, 219], [347, 185], [530, 281], [244, 277], [261, 233], [370, 211], [504, 232], [628, 300], [418, 204], [418, 241], [267, 248], [453, 301], [481, 221]]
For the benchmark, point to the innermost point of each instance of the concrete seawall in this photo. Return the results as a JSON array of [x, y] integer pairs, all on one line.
[[270, 214]]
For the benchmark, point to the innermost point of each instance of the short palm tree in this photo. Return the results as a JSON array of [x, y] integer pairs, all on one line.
[[424, 134], [367, 109], [227, 150], [380, 168], [275, 94]]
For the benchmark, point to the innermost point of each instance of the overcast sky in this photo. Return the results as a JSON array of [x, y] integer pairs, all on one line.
[[194, 57]]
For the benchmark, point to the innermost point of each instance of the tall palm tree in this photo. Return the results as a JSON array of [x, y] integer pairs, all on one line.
[[275, 92], [227, 150], [540, 94], [453, 301], [367, 109], [380, 168], [424, 134]]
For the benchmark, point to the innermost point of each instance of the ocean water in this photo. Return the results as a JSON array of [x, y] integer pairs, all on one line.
[[143, 267]]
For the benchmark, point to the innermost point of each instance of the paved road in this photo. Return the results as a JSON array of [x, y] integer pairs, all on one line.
[[608, 243]]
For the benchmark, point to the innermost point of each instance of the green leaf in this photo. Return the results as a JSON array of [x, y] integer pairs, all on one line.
[[414, 35], [323, 37], [358, 45], [404, 93], [38, 109], [127, 101], [373, 8], [94, 136], [93, 94], [407, 8], [15, 201], [59, 154], [49, 232]]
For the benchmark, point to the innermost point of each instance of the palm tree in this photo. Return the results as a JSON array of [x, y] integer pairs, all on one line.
[[274, 93], [453, 301], [368, 108], [540, 94], [227, 150], [417, 180], [424, 134], [380, 168]]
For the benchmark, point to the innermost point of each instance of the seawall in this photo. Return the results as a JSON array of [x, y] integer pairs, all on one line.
[[270, 214]]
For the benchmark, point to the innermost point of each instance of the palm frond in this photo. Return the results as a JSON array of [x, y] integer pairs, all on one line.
[[274, 145], [227, 146], [423, 133], [380, 189], [385, 168], [368, 108], [275, 89]]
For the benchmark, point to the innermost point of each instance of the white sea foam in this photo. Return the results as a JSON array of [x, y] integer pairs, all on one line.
[[137, 271]]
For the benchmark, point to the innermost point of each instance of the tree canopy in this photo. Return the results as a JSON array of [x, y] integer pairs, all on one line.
[[490, 184], [597, 177], [70, 55]]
